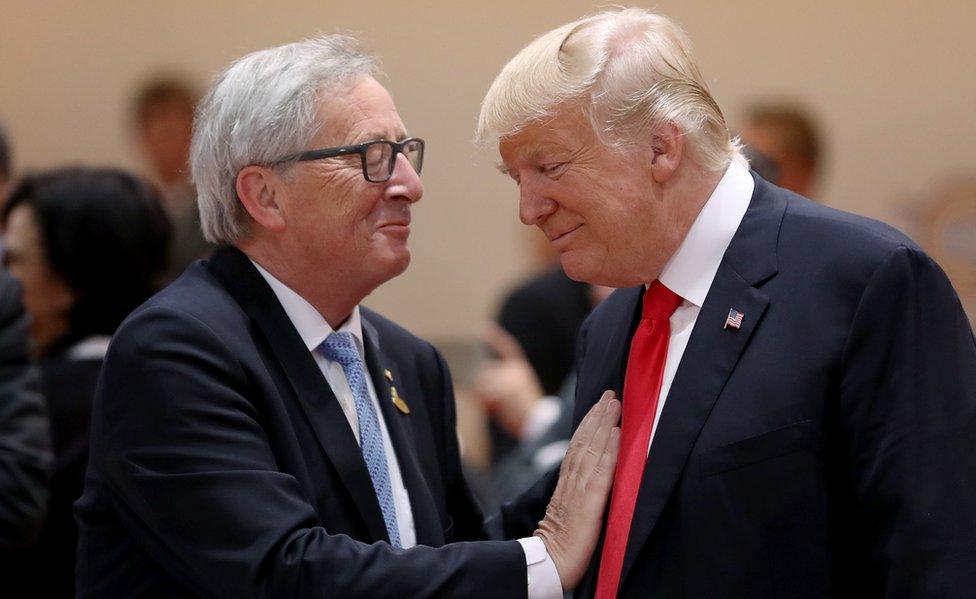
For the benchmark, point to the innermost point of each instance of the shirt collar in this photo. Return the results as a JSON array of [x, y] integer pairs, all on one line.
[[691, 269], [311, 326]]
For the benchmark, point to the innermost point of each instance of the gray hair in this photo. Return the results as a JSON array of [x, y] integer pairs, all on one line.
[[260, 110], [629, 69]]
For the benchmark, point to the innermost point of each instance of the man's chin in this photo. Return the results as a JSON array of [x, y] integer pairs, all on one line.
[[577, 268], [397, 263]]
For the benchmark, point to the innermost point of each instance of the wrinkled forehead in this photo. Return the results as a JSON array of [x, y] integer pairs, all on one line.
[[566, 131], [357, 111]]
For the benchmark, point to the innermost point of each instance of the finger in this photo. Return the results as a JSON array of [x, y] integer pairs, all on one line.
[[602, 477], [588, 427], [578, 442], [580, 446], [612, 413], [503, 344], [608, 420], [601, 437]]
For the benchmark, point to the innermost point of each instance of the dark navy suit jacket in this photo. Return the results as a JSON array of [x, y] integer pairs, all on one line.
[[827, 448], [222, 464]]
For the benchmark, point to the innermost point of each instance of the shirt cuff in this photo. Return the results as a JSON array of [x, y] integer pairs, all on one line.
[[544, 413], [543, 578]]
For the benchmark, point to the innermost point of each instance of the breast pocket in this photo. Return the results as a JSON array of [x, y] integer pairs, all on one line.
[[792, 438]]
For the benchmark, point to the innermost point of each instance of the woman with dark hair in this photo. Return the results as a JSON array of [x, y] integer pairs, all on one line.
[[89, 246]]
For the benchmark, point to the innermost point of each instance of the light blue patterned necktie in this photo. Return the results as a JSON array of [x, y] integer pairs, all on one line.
[[341, 348]]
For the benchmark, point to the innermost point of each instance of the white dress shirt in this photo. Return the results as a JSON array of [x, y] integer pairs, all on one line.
[[313, 329], [691, 270], [543, 579]]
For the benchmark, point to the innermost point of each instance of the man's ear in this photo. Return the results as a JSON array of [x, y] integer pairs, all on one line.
[[667, 145], [259, 190]]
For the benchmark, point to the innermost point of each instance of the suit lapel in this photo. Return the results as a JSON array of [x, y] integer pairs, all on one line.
[[618, 317], [316, 398], [426, 521], [605, 365], [708, 361]]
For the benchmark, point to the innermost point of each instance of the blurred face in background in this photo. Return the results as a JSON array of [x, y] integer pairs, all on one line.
[[792, 170], [47, 298], [165, 137]]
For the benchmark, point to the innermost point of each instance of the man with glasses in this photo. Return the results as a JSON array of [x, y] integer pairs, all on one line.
[[256, 432]]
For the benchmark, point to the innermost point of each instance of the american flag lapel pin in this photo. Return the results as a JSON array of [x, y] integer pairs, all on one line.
[[734, 319]]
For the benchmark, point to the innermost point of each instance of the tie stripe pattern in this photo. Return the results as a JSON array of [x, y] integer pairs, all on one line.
[[341, 348]]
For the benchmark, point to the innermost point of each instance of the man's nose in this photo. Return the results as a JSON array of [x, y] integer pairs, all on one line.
[[405, 182], [534, 204]]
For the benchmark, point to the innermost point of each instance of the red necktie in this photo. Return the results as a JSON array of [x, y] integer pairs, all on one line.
[[642, 386]]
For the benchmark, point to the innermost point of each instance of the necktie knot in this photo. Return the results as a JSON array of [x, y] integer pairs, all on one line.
[[659, 302], [341, 348]]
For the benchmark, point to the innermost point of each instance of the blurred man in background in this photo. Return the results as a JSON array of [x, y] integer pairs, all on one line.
[[162, 116], [787, 144]]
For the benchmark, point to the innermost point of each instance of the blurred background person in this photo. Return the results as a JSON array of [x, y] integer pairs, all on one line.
[[89, 246], [542, 314], [784, 145], [25, 439], [25, 442], [526, 387], [162, 114], [536, 423]]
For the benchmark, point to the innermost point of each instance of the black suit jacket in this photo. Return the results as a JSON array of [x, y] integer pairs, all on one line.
[[25, 439], [47, 568], [827, 448], [222, 464], [545, 314]]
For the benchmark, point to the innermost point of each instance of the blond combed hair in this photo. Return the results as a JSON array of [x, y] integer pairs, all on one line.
[[630, 69]]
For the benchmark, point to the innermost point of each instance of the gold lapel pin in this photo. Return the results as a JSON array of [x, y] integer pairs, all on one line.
[[388, 375], [398, 401]]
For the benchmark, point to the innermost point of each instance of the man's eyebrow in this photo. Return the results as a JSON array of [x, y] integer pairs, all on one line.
[[377, 135], [525, 155]]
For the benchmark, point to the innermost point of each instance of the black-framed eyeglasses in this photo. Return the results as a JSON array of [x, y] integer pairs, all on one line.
[[378, 157]]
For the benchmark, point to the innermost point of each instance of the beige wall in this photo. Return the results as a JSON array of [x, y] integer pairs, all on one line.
[[893, 82]]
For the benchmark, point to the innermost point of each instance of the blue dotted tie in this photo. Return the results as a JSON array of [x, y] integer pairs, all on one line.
[[341, 348]]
